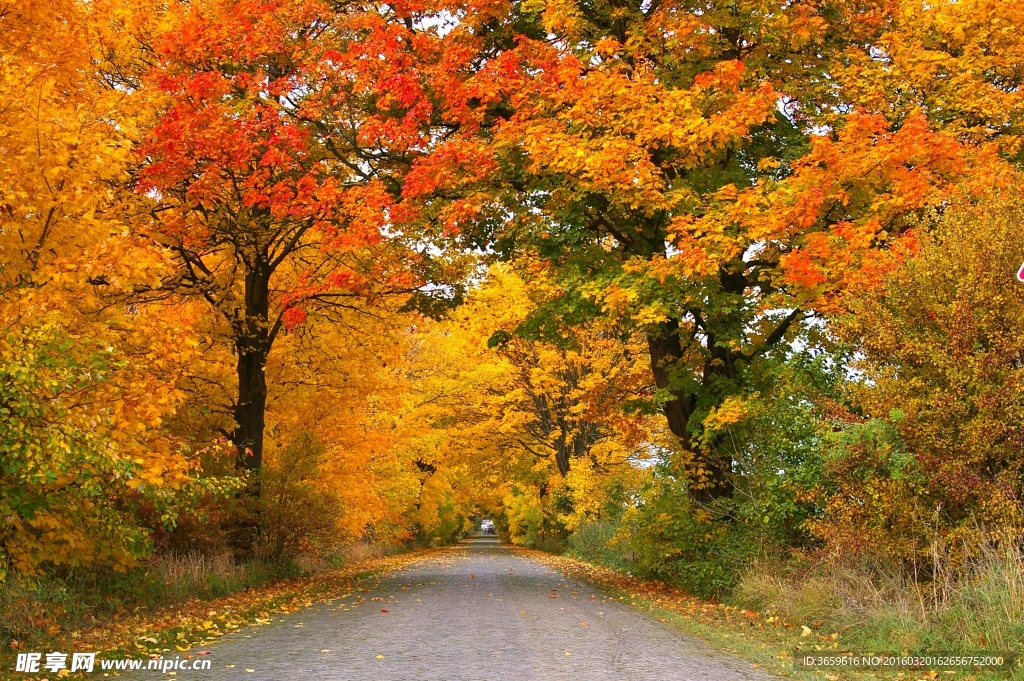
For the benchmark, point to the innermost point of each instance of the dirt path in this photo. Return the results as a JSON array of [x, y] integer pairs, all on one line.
[[479, 612]]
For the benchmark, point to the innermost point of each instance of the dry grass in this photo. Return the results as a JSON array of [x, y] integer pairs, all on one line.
[[194, 569], [977, 605], [48, 603]]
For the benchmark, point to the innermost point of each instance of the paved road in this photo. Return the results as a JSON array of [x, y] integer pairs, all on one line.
[[478, 612]]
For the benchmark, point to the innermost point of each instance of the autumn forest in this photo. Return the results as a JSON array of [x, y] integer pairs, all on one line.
[[717, 294]]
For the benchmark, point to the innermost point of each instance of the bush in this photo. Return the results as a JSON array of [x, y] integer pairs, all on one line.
[[595, 542], [298, 513], [88, 471], [69, 490], [676, 541], [940, 351]]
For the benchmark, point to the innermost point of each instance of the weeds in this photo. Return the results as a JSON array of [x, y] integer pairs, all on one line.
[[976, 605], [49, 603]]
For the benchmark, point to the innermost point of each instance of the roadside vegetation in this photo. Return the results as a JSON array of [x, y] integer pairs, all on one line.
[[882, 500]]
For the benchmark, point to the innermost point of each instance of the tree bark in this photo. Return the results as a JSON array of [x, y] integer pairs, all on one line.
[[250, 411], [666, 354], [252, 343]]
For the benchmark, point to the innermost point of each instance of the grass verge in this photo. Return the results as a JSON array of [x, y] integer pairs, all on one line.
[[177, 629], [767, 641]]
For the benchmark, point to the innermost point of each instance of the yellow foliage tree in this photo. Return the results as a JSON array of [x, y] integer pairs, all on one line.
[[86, 390], [530, 420]]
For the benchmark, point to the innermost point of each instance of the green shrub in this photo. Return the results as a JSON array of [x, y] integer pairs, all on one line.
[[595, 542], [673, 542]]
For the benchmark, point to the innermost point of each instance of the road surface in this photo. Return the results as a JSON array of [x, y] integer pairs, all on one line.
[[478, 612]]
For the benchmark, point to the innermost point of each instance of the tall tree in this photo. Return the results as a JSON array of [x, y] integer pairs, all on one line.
[[275, 169], [705, 170]]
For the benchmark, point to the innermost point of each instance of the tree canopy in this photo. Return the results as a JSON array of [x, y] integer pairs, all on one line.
[[711, 276]]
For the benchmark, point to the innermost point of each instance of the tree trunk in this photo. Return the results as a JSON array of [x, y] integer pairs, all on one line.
[[562, 455], [250, 410], [252, 343], [666, 354]]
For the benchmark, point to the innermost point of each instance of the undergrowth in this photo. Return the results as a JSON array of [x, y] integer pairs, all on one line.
[[43, 605]]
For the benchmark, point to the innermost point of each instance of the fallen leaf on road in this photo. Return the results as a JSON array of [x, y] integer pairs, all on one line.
[[380, 657], [383, 610]]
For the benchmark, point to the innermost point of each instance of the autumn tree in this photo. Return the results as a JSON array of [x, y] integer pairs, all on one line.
[[561, 423], [334, 432], [535, 432], [555, 402], [568, 394], [88, 468], [60, 155], [275, 168], [713, 172], [937, 461]]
